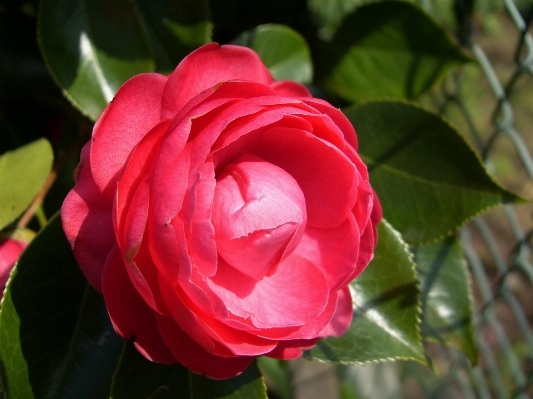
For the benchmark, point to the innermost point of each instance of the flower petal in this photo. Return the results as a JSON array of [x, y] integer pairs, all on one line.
[[207, 331], [134, 111], [257, 210], [287, 350], [87, 222], [338, 118], [138, 166], [131, 317], [321, 170], [197, 359], [334, 250], [10, 251], [288, 88], [201, 239], [312, 329], [206, 67], [341, 320], [292, 296]]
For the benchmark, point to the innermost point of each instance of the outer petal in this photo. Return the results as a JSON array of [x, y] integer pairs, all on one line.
[[197, 359], [130, 315], [366, 249], [288, 88], [287, 350], [207, 332], [136, 169], [377, 211], [337, 116], [363, 206], [87, 223], [341, 320], [206, 67], [134, 111]]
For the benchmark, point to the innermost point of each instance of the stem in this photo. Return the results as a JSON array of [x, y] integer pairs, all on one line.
[[37, 202], [41, 216], [36, 208]]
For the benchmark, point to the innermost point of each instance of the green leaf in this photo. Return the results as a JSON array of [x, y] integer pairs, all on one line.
[[387, 49], [446, 296], [175, 28], [92, 47], [330, 13], [386, 309], [56, 339], [428, 179], [138, 378], [283, 50], [19, 234], [22, 174]]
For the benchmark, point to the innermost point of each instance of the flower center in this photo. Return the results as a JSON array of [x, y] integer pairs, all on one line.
[[259, 215]]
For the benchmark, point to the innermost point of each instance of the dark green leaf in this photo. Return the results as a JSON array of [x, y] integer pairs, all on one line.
[[175, 28], [92, 47], [329, 13], [446, 297], [22, 174], [56, 340], [428, 179], [232, 17], [387, 49], [283, 50], [386, 309], [138, 378]]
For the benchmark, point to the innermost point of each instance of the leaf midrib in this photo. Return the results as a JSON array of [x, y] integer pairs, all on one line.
[[427, 181]]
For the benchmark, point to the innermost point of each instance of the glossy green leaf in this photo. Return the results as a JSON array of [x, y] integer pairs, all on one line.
[[22, 174], [138, 378], [283, 50], [75, 39], [386, 309], [387, 49], [56, 339], [428, 179], [446, 296]]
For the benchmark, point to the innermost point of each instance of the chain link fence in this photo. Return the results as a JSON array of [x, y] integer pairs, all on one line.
[[497, 246]]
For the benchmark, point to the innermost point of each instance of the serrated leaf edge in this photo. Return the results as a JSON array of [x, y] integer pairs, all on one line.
[[410, 256]]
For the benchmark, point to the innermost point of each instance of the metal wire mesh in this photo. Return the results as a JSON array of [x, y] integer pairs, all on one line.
[[502, 273]]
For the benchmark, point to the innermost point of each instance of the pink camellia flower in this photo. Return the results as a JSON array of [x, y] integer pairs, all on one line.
[[222, 214], [10, 250]]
